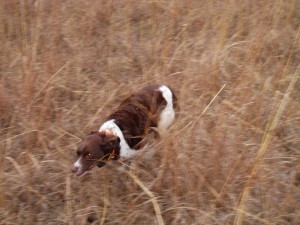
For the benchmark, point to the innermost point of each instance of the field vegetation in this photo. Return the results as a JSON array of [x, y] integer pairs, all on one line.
[[231, 157]]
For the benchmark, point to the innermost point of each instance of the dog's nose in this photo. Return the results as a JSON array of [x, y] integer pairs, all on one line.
[[74, 169]]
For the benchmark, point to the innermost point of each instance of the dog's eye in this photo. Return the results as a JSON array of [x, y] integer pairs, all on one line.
[[89, 154]]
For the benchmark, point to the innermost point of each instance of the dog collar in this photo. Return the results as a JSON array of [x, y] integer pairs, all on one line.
[[112, 156]]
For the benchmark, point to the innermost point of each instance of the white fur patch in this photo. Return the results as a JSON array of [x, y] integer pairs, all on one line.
[[78, 165], [125, 150], [167, 116]]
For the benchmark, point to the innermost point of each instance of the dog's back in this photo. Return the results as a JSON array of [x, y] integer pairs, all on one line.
[[152, 106]]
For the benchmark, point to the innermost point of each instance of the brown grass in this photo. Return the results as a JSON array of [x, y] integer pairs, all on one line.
[[232, 157]]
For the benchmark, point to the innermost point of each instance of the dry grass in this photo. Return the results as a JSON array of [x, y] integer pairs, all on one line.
[[232, 157]]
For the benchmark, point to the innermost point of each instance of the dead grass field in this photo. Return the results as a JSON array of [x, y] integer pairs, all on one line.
[[232, 157]]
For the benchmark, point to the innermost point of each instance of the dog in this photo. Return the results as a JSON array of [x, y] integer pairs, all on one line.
[[121, 136]]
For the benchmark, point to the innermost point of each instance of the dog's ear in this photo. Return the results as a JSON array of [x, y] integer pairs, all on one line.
[[102, 135], [114, 140], [109, 143], [108, 136]]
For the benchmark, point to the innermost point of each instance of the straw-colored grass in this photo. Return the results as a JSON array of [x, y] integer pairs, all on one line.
[[232, 155]]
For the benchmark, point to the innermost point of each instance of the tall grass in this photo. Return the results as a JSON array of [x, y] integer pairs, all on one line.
[[232, 156]]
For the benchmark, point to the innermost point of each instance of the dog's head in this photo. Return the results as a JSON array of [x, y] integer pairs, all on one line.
[[96, 148]]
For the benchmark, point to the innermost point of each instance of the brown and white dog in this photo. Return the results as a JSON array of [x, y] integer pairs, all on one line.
[[122, 133]]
